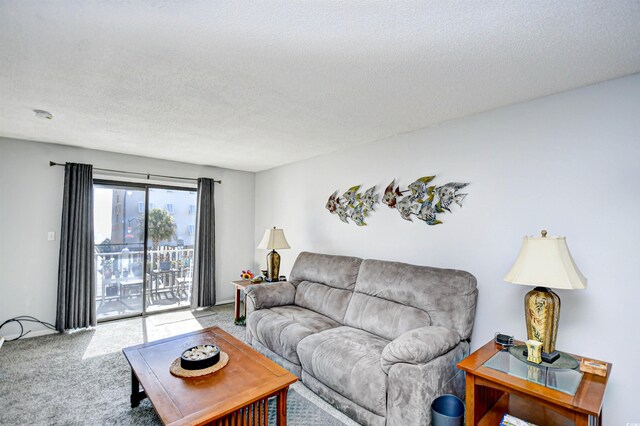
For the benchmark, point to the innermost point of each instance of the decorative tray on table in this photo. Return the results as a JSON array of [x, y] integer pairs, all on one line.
[[199, 361]]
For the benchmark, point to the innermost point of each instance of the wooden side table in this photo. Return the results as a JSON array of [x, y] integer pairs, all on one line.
[[491, 393], [240, 287]]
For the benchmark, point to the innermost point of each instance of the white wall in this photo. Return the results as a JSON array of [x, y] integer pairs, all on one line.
[[31, 205], [568, 163]]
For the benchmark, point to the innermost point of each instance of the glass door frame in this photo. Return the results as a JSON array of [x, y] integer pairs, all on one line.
[[146, 187]]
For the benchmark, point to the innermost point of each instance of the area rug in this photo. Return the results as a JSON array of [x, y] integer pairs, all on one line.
[[83, 378]]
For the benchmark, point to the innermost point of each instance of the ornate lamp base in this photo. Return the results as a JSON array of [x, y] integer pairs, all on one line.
[[542, 313], [273, 266]]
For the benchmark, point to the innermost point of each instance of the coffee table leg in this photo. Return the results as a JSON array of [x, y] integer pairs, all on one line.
[[136, 394], [281, 418]]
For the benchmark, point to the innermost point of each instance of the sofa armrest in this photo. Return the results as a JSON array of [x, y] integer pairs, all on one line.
[[419, 346], [412, 387], [271, 294]]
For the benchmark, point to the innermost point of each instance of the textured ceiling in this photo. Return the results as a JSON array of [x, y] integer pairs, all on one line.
[[253, 85]]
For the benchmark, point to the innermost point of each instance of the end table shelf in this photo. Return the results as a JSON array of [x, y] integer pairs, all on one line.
[[521, 408], [491, 393]]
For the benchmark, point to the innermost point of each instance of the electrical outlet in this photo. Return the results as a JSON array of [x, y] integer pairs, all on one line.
[[51, 236]]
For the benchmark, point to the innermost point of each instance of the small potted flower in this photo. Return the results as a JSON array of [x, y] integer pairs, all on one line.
[[247, 275]]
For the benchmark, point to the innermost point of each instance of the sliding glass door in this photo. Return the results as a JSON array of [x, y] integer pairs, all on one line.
[[170, 243], [144, 240], [119, 250]]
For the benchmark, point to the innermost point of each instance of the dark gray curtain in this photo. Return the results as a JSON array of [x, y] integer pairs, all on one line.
[[76, 268], [204, 273]]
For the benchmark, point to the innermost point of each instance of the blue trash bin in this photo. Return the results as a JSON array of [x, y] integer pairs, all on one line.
[[447, 410]]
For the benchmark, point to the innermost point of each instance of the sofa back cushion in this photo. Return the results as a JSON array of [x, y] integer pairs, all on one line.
[[325, 283], [391, 298], [334, 271], [382, 317]]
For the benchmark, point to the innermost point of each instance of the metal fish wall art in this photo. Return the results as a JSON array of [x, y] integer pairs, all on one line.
[[391, 195], [426, 201], [421, 200], [353, 204]]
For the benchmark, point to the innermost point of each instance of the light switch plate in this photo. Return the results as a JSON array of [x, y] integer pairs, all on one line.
[[51, 236]]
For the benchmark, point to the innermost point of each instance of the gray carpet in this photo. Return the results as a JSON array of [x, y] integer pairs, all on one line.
[[83, 379]]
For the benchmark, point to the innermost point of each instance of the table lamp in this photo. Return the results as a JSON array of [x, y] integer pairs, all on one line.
[[545, 262], [273, 239]]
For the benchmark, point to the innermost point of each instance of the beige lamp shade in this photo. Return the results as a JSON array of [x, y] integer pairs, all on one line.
[[546, 262], [273, 240]]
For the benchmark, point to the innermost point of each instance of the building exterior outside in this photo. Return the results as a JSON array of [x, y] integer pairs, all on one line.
[[128, 215]]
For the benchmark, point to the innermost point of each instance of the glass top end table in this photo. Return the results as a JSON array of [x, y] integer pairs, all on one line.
[[563, 380], [498, 383]]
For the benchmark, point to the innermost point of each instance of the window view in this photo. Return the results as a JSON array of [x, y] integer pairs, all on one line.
[[133, 277], [170, 248]]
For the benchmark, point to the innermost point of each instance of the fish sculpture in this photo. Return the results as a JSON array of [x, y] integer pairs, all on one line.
[[428, 213], [405, 207], [423, 201], [419, 187], [353, 205], [350, 196], [369, 198], [342, 213], [448, 194], [333, 202], [390, 197], [358, 214]]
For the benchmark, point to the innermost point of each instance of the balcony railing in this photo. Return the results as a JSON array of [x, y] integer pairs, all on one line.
[[119, 277]]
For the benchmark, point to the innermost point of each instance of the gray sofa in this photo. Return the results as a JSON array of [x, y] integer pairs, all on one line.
[[378, 340]]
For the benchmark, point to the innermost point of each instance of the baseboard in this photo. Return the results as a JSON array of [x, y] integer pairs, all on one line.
[[31, 334], [225, 302]]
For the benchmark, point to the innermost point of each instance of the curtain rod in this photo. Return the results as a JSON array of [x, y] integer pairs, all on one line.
[[148, 175]]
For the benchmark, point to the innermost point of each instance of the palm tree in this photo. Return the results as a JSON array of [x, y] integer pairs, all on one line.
[[161, 227]]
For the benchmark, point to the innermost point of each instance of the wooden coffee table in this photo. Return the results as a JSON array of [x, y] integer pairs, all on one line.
[[236, 394]]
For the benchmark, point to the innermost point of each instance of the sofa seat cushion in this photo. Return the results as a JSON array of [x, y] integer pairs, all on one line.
[[347, 360], [281, 328]]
